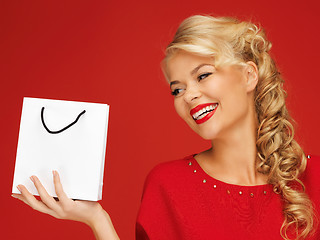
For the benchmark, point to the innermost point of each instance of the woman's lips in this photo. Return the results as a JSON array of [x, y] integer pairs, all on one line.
[[203, 112]]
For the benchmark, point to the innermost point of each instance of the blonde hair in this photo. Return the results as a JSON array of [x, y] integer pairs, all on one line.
[[231, 42]]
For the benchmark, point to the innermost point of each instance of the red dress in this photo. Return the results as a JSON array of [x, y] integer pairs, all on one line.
[[181, 201]]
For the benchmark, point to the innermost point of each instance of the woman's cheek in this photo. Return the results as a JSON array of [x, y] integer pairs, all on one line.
[[180, 108], [211, 87], [177, 106]]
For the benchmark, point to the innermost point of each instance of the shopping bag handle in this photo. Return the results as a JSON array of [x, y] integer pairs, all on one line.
[[61, 130]]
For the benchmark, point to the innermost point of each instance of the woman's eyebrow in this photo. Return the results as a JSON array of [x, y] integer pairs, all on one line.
[[198, 67], [194, 71], [174, 82]]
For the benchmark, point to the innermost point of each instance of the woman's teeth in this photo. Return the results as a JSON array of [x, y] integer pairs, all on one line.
[[204, 111]]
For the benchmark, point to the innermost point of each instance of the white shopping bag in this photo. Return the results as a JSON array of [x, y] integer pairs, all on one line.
[[66, 136]]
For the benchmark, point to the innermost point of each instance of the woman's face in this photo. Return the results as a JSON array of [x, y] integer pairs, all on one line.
[[214, 103]]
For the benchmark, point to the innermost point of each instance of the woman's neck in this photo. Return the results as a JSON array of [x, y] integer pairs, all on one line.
[[233, 158]]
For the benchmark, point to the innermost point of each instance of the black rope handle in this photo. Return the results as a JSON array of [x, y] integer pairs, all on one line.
[[65, 128]]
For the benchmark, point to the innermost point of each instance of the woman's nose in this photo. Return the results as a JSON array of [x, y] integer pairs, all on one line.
[[192, 93]]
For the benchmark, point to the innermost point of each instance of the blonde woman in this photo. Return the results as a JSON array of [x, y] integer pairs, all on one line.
[[255, 182]]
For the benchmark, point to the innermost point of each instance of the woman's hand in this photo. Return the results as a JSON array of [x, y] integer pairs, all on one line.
[[90, 213]]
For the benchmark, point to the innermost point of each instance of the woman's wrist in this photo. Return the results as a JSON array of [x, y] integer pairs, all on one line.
[[102, 226]]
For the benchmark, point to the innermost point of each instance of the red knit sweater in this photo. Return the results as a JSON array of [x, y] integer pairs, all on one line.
[[180, 201]]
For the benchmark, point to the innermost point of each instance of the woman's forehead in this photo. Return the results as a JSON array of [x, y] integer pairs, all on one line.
[[188, 63]]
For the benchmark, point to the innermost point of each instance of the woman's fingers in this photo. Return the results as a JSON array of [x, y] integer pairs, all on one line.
[[58, 188], [45, 197], [82, 211], [30, 200], [20, 197]]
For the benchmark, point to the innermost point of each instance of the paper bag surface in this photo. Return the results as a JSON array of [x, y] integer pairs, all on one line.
[[66, 136]]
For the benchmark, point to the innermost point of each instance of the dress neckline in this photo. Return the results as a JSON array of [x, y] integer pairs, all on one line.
[[206, 178]]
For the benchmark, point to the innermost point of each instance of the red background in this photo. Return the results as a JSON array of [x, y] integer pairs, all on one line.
[[110, 52]]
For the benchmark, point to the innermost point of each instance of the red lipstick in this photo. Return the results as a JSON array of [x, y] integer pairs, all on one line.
[[208, 115]]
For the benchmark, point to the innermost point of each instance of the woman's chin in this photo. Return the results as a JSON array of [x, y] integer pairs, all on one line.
[[208, 135]]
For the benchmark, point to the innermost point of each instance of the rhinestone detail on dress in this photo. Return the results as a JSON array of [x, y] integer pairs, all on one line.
[[228, 191]]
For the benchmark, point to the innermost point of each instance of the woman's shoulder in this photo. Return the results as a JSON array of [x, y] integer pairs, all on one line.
[[172, 167], [169, 171]]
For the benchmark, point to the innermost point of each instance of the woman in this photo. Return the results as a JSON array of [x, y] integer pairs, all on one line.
[[229, 91]]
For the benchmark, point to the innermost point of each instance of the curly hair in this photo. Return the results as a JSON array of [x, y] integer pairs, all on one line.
[[232, 42]]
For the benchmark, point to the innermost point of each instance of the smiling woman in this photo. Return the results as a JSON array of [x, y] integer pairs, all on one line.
[[253, 183], [212, 100], [227, 88]]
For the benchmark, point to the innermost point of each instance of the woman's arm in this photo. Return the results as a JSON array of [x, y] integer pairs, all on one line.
[[103, 228], [90, 213]]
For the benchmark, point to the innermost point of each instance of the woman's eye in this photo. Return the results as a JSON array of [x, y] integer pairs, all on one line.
[[176, 91], [203, 76]]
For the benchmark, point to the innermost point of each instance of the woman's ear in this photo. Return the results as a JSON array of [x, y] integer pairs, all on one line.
[[252, 76]]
